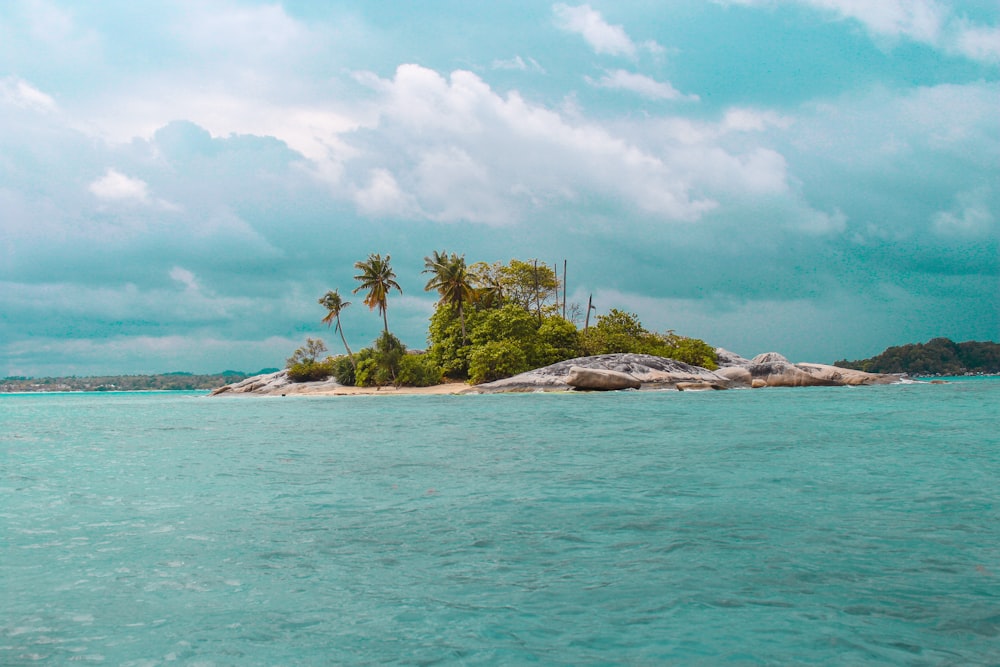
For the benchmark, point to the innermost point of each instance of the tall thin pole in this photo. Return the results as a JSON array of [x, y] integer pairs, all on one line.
[[564, 289], [590, 307], [538, 301], [555, 272]]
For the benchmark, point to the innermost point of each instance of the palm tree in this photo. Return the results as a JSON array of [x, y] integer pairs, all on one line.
[[378, 278], [450, 278], [489, 289], [333, 302]]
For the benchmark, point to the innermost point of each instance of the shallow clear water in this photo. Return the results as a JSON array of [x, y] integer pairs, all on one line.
[[813, 526]]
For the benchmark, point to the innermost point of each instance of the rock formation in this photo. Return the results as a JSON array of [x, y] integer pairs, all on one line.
[[651, 372], [600, 379], [773, 370], [620, 371], [276, 384]]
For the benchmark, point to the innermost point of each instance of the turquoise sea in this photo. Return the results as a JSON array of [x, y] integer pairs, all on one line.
[[820, 526]]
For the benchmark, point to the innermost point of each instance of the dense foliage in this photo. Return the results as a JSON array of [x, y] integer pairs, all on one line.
[[623, 332], [491, 321], [939, 356]]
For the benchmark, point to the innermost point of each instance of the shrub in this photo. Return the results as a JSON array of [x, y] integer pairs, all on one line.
[[343, 370], [418, 370], [303, 365], [692, 351], [308, 352], [367, 373], [444, 334], [311, 371], [496, 360], [380, 365], [623, 332]]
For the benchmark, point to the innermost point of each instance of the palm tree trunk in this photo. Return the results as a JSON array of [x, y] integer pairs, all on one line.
[[346, 346], [385, 321], [564, 289]]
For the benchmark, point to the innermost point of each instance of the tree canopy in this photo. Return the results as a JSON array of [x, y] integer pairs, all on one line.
[[377, 278], [938, 356]]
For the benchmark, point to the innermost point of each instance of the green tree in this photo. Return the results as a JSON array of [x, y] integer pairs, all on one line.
[[308, 352], [487, 285], [495, 360], [529, 284], [558, 339], [617, 331], [304, 364], [448, 346], [334, 304], [381, 367], [377, 278], [450, 277], [511, 322]]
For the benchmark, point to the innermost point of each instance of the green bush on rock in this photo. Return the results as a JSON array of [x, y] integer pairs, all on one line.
[[304, 366], [619, 331]]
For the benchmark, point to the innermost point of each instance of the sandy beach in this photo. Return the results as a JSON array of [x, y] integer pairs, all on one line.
[[441, 389]]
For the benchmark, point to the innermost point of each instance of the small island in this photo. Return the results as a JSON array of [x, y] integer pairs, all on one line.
[[504, 328]]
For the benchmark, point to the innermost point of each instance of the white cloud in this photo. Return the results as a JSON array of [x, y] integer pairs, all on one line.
[[928, 22], [920, 20], [978, 42], [971, 216], [116, 186], [19, 93], [603, 37], [464, 152], [455, 186], [643, 85], [184, 277], [518, 63], [740, 119], [382, 197], [820, 222]]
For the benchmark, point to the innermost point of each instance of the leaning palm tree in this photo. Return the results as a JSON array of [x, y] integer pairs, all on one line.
[[333, 302], [451, 279], [378, 278]]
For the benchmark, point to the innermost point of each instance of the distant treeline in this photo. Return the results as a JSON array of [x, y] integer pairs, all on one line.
[[939, 356], [162, 382]]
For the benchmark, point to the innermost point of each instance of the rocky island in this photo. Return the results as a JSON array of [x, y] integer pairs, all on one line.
[[504, 328], [607, 372]]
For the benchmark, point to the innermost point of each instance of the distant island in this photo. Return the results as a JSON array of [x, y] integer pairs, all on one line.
[[939, 356], [178, 381]]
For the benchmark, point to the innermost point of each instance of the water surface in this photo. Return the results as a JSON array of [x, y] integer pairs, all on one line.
[[810, 526]]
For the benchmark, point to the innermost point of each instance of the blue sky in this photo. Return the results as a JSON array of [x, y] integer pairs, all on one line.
[[181, 181]]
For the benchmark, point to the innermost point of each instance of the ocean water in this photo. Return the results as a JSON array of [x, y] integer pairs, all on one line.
[[822, 526]]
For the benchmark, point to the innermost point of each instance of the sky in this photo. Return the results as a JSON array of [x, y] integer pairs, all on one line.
[[181, 181]]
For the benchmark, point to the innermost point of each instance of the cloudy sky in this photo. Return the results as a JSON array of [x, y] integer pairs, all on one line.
[[181, 181]]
